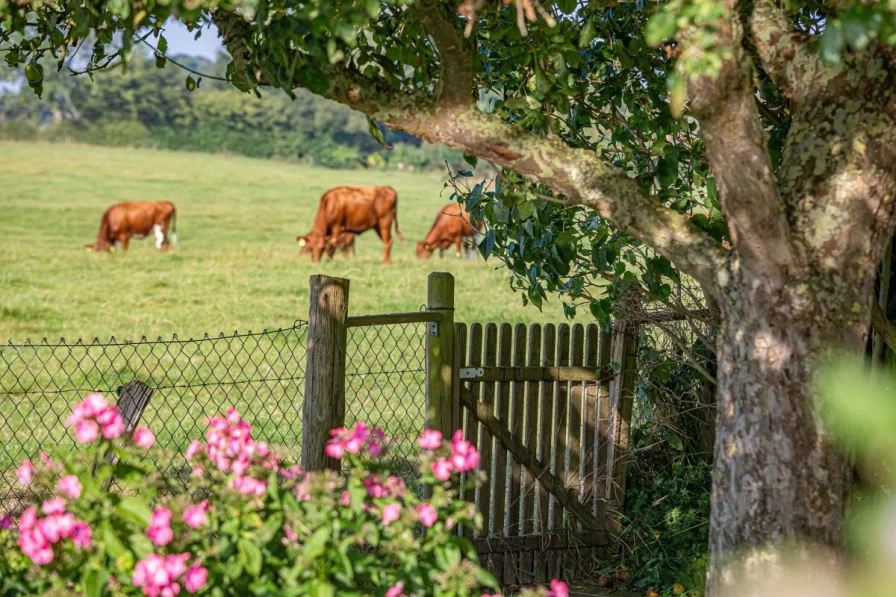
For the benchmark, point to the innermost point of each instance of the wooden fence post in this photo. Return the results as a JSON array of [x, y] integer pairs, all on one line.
[[440, 407], [622, 391], [324, 406]]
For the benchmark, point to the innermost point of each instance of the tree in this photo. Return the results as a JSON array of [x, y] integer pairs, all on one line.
[[770, 125]]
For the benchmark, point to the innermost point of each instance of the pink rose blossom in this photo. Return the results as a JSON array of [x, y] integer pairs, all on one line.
[[35, 547], [427, 515], [441, 468], [195, 516], [5, 522], [345, 499], [198, 471], [391, 513], [176, 565], [28, 519], [54, 506], [81, 534], [558, 589], [45, 458], [430, 440], [94, 404], [159, 531], [334, 449], [194, 448], [195, 578], [70, 485], [144, 438], [395, 590], [150, 574], [464, 456], [24, 472], [87, 431], [115, 427]]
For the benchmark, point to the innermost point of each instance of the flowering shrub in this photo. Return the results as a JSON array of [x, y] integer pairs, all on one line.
[[265, 528]]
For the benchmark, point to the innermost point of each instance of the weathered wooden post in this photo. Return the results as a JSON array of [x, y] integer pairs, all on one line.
[[324, 407], [440, 407], [622, 391]]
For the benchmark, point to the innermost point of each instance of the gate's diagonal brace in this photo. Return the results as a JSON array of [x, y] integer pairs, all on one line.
[[565, 496]]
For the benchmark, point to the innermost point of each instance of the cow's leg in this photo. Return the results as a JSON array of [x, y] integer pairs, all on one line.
[[122, 242], [159, 234], [385, 232], [457, 242]]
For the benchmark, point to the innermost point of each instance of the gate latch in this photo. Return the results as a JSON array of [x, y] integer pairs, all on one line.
[[471, 372], [433, 328]]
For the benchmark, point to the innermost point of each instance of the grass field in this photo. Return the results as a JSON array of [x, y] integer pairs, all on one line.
[[237, 267]]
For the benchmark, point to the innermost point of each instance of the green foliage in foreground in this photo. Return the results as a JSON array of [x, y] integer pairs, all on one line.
[[148, 106]]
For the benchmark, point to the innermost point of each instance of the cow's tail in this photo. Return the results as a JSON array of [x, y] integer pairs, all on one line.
[[397, 229], [174, 227]]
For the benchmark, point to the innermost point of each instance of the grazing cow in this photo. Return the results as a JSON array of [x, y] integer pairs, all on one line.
[[353, 210], [345, 242], [124, 221], [452, 226]]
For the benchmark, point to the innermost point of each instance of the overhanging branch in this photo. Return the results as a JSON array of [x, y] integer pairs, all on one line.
[[456, 52]]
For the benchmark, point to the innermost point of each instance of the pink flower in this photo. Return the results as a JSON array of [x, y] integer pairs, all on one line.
[[395, 590], [87, 431], [391, 513], [144, 438], [558, 589], [94, 404], [70, 485], [45, 458], [55, 527], [115, 427], [81, 534], [441, 468], [334, 449], [54, 506], [233, 416], [345, 499], [376, 443], [464, 456], [195, 516], [5, 522], [194, 448], [159, 531], [24, 472], [430, 440], [198, 471], [358, 438], [28, 519], [427, 514], [195, 578], [33, 545], [150, 574], [176, 565]]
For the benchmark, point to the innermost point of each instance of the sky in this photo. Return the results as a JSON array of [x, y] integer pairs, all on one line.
[[180, 41]]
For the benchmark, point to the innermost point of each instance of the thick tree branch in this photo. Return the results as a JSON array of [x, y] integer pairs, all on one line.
[[787, 55], [456, 52], [736, 150]]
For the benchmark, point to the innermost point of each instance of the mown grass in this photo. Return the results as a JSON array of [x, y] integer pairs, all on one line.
[[237, 267]]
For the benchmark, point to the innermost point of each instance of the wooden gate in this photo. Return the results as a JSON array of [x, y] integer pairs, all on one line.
[[548, 408]]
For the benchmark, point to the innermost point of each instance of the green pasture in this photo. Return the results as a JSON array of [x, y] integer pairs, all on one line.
[[237, 267]]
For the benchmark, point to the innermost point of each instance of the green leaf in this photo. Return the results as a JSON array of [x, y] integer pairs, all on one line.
[[94, 582], [191, 83], [587, 35], [161, 61], [675, 442], [250, 555], [471, 159], [855, 30], [661, 26], [376, 132], [163, 44], [487, 244], [112, 543], [313, 79], [567, 6], [140, 545], [832, 41], [135, 510], [526, 209]]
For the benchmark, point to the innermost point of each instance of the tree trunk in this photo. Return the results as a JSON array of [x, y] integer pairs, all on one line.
[[777, 475]]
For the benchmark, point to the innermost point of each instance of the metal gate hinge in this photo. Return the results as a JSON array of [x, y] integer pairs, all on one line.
[[471, 372], [433, 328]]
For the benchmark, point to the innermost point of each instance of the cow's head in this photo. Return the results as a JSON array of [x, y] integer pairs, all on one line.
[[424, 251], [313, 243]]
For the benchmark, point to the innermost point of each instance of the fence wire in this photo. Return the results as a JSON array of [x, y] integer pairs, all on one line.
[[385, 383], [260, 374]]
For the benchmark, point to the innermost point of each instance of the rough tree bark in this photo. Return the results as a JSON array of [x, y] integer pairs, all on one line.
[[806, 242]]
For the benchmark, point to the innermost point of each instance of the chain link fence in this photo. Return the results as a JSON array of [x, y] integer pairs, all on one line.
[[260, 374], [385, 386]]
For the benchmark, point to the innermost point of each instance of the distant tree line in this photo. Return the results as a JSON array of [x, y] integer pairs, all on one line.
[[152, 107]]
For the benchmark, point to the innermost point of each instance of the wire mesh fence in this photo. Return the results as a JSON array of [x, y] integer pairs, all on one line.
[[385, 386], [260, 374]]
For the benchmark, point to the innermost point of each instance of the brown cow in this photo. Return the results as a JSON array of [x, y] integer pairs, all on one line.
[[452, 226], [124, 221], [353, 210]]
